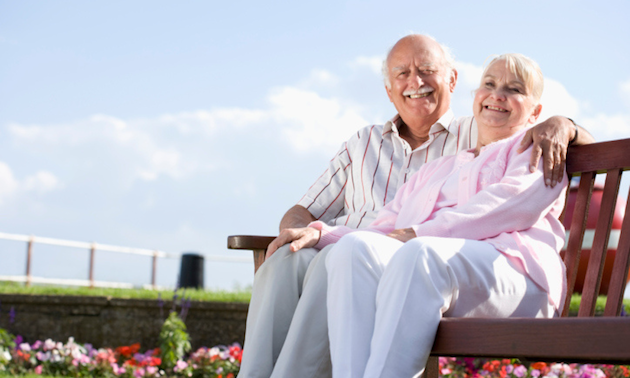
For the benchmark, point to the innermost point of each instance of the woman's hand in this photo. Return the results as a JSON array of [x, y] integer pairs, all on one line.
[[403, 234], [299, 238]]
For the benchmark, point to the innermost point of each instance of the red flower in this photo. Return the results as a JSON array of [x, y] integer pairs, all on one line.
[[236, 352], [24, 356], [128, 351], [539, 365]]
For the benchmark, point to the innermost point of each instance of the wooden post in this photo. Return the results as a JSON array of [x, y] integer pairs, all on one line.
[[92, 252], [154, 270], [29, 254]]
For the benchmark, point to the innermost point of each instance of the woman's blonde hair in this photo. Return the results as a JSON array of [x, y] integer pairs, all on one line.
[[523, 67]]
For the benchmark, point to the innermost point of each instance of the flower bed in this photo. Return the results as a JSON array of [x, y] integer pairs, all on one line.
[[450, 367], [172, 359], [75, 360]]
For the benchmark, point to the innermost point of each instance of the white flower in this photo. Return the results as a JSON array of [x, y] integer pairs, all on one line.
[[25, 347], [5, 356], [49, 344], [214, 351]]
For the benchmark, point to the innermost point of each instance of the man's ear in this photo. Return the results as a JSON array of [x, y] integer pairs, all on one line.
[[389, 93], [453, 81], [535, 114]]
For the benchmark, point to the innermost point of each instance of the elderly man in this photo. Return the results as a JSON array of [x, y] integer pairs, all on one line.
[[286, 334]]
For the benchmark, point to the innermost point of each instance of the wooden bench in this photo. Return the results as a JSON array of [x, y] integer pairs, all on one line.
[[585, 338]]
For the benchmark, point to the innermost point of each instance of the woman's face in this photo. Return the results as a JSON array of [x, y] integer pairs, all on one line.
[[503, 103]]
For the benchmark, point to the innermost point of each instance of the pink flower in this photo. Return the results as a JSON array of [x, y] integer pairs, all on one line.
[[25, 347], [139, 373], [38, 369], [118, 370], [152, 370], [181, 365], [520, 371]]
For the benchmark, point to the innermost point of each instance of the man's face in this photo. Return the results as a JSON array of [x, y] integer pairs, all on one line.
[[421, 85]]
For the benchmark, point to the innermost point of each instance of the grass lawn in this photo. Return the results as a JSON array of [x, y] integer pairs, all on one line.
[[194, 294]]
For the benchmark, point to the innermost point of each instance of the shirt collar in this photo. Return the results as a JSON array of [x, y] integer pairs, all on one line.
[[442, 124]]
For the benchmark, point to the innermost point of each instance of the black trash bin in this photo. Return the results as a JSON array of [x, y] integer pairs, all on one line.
[[191, 271]]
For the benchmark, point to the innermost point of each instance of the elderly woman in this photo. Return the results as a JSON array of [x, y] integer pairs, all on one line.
[[471, 235]]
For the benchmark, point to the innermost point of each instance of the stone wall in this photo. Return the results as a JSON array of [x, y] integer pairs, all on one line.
[[112, 322]]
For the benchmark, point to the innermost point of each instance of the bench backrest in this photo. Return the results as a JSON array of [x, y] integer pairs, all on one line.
[[610, 158]]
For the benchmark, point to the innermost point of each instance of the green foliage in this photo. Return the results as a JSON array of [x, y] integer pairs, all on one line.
[[599, 305], [237, 295], [174, 341], [6, 340]]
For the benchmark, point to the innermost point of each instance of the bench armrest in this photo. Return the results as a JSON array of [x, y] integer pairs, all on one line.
[[257, 244]]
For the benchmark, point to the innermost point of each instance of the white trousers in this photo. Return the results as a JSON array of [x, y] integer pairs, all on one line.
[[386, 298], [286, 331]]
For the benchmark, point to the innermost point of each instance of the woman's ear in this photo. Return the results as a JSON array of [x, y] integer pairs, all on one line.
[[535, 114]]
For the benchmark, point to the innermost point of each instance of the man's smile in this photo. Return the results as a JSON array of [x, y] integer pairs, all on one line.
[[419, 95], [490, 107]]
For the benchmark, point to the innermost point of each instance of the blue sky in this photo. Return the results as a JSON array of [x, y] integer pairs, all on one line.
[[171, 125]]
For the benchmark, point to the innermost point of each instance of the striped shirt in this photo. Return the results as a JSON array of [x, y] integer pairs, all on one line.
[[368, 169]]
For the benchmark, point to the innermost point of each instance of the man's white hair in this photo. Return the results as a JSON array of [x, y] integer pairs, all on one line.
[[449, 59]]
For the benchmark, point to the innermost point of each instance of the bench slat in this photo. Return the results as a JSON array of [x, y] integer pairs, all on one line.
[[576, 236], [604, 340], [621, 265], [595, 267]]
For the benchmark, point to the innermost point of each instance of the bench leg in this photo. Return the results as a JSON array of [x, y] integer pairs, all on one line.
[[432, 368], [259, 258]]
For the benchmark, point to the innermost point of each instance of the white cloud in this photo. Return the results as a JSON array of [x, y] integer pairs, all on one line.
[[209, 121], [468, 75], [624, 90], [318, 78], [146, 149], [179, 145], [556, 100], [608, 127], [8, 184], [42, 182], [313, 123], [373, 63]]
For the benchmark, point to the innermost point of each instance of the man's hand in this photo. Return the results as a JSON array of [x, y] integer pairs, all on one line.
[[550, 139], [299, 238], [403, 234]]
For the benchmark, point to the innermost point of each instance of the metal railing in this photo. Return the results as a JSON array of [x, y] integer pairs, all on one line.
[[93, 247]]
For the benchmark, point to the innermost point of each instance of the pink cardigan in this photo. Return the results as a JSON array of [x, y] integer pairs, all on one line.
[[498, 201]]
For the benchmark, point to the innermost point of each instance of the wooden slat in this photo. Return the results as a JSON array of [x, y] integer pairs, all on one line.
[[578, 225], [621, 265], [599, 156], [597, 257], [249, 242], [603, 340]]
